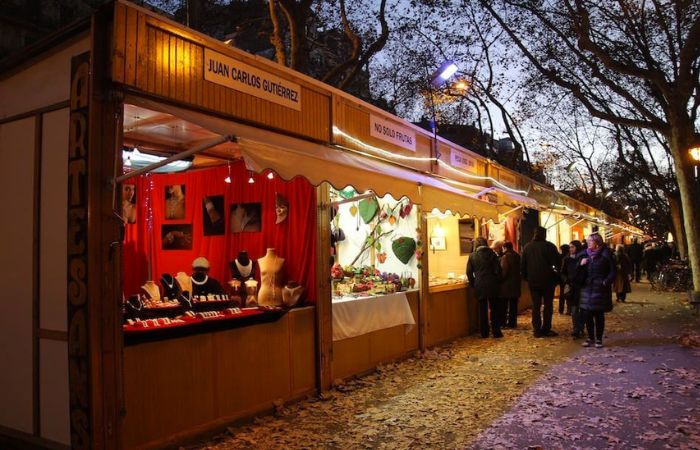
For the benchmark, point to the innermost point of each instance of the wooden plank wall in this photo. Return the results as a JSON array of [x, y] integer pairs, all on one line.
[[158, 58], [180, 387]]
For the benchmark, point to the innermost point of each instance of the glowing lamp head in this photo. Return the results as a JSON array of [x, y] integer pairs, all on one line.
[[695, 153]]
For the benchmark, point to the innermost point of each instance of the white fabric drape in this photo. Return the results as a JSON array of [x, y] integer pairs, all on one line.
[[358, 316]]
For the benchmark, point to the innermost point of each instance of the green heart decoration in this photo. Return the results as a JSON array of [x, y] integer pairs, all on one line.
[[404, 248], [368, 209], [348, 193]]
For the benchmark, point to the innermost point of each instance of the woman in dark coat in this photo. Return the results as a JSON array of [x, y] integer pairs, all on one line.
[[596, 273], [623, 273], [484, 274], [510, 285], [571, 289]]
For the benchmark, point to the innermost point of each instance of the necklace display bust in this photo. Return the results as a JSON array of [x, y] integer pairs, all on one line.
[[271, 279], [152, 290], [171, 288], [242, 268]]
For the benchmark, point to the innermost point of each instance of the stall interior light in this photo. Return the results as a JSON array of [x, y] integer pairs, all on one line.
[[228, 177], [135, 159], [251, 180], [270, 175]]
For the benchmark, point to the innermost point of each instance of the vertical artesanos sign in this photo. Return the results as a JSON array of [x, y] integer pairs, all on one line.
[[78, 330]]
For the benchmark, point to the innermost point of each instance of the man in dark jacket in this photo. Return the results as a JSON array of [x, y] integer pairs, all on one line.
[[484, 274], [540, 267], [635, 252], [510, 286]]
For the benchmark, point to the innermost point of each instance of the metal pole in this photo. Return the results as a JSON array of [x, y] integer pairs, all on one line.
[[177, 157]]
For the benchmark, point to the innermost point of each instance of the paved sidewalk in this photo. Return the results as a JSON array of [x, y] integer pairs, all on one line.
[[640, 391]]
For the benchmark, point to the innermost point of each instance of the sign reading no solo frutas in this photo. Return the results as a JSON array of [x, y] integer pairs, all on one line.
[[391, 132], [221, 69]]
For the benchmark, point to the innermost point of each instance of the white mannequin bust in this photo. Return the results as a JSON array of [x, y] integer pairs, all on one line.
[[271, 278]]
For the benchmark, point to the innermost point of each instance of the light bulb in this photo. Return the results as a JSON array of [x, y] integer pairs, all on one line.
[[270, 175], [251, 180], [227, 180]]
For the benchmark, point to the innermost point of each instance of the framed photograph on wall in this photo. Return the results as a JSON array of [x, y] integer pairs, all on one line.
[[175, 202], [176, 237], [437, 243], [246, 217], [213, 215]]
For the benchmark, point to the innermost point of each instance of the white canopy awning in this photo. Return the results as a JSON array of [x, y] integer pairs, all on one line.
[[291, 157]]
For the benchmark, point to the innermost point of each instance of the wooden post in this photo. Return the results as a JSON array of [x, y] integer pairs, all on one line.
[[94, 313], [106, 116], [324, 330], [424, 298]]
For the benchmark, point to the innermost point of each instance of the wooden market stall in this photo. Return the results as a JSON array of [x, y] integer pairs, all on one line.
[[98, 360]]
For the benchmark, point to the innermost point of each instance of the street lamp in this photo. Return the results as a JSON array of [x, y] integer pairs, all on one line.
[[443, 73], [437, 80], [695, 154]]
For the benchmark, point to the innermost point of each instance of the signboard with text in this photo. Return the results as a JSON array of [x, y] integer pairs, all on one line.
[[234, 74], [462, 160], [392, 132]]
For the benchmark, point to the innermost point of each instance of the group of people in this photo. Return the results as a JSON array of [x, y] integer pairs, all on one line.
[[587, 274], [648, 257]]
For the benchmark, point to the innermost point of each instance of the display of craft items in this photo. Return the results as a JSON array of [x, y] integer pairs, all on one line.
[[368, 280]]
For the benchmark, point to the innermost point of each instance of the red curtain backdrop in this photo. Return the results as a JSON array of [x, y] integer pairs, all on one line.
[[294, 239]]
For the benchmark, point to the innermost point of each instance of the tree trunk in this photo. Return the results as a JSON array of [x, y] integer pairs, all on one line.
[[681, 138], [674, 203]]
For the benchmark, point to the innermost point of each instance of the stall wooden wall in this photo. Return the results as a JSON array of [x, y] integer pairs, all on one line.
[[159, 57], [34, 400], [452, 313], [360, 354], [201, 382]]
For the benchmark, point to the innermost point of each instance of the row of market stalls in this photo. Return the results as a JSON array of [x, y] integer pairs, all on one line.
[[238, 234]]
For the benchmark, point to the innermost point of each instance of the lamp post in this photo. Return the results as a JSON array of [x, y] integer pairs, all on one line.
[[437, 80]]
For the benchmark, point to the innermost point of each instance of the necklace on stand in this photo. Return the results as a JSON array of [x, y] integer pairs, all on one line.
[[244, 271], [165, 281], [200, 283]]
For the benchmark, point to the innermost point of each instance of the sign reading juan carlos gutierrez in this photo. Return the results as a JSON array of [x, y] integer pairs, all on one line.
[[221, 69], [391, 132]]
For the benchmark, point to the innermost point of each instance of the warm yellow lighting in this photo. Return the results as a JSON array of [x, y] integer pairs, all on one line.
[[695, 153], [461, 85]]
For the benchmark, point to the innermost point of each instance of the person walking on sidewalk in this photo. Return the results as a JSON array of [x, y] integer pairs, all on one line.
[[623, 273], [595, 273], [484, 274], [571, 288], [635, 253], [510, 285], [540, 265]]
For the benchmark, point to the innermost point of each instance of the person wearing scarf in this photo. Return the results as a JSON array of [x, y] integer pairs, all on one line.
[[595, 273]]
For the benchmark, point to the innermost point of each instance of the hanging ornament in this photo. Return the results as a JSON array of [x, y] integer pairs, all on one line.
[[368, 209], [404, 248], [353, 210]]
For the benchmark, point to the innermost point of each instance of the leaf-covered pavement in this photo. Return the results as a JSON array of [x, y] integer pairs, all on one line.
[[640, 391]]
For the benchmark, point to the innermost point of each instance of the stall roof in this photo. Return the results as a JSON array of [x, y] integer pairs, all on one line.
[[166, 125]]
